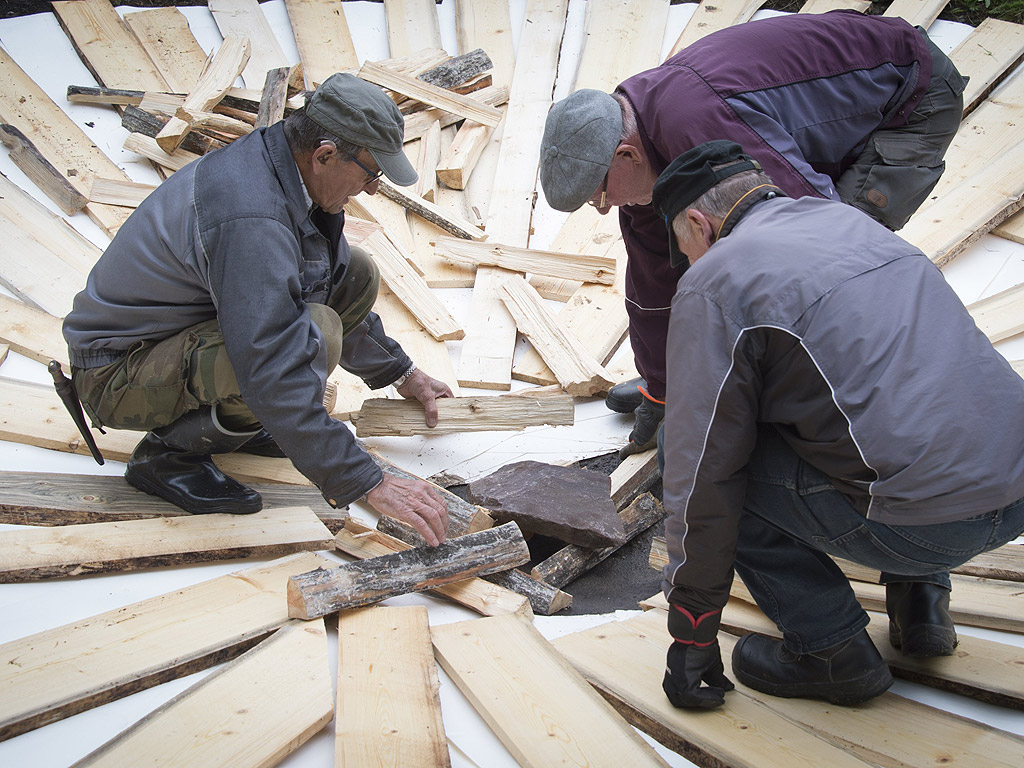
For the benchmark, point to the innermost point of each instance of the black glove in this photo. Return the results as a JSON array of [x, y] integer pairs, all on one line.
[[649, 415], [694, 657]]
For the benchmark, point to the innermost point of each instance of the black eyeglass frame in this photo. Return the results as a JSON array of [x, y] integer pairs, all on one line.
[[371, 176]]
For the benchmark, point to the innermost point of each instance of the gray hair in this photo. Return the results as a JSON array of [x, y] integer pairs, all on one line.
[[721, 198], [304, 135], [630, 129]]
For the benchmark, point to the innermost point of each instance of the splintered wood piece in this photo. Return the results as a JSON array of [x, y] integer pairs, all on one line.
[[635, 474], [116, 192], [56, 673], [166, 37], [1000, 316], [572, 561], [540, 708], [419, 123], [252, 712], [148, 148], [74, 550], [381, 416], [275, 94], [713, 15], [488, 599], [215, 81], [466, 106], [244, 18], [625, 661], [919, 13], [322, 37], [411, 25], [136, 120], [40, 171], [456, 164], [447, 221], [992, 49], [389, 704], [618, 39], [567, 266], [426, 166], [32, 332], [574, 367], [325, 591]]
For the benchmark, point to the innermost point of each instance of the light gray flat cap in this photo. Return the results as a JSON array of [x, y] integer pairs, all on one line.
[[580, 136]]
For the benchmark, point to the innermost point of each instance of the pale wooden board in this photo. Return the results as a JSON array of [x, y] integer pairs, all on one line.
[[323, 38], [74, 550], [566, 266], [618, 41], [584, 231], [58, 138], [426, 163], [32, 271], [992, 49], [824, 6], [128, 194], [408, 85], [244, 18], [1012, 228], [542, 710], [635, 473], [32, 332], [411, 26], [106, 46], [389, 707], [626, 662], [166, 37], [713, 15], [352, 391], [1000, 316], [58, 672], [488, 347], [486, 24], [250, 713], [920, 13], [148, 148]]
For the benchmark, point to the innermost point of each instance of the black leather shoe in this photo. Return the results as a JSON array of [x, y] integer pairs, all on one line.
[[263, 445], [848, 673], [919, 620], [625, 397], [188, 480]]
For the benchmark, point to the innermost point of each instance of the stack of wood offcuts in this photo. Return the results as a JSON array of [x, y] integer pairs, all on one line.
[[319, 578]]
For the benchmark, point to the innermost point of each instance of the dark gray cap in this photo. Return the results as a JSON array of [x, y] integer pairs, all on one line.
[[360, 112], [580, 136]]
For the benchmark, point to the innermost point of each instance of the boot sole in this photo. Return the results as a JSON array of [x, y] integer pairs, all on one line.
[[144, 484], [846, 694], [924, 641]]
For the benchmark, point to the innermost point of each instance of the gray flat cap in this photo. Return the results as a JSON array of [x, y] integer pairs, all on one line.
[[580, 136]]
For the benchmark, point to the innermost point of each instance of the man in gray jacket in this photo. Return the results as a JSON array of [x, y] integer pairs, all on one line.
[[217, 312], [828, 394]]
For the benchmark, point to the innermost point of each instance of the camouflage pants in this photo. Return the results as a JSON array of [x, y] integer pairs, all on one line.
[[159, 380]]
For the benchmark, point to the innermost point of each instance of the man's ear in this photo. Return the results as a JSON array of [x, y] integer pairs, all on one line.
[[322, 154], [630, 152]]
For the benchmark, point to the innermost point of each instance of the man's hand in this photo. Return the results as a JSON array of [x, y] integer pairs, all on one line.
[[649, 415], [414, 502], [695, 657], [421, 387]]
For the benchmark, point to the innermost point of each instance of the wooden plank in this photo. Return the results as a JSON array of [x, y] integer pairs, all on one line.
[[381, 416], [389, 704], [486, 24], [634, 475], [992, 49], [411, 25], [625, 661], [243, 18], [417, 123], [542, 710], [444, 219], [322, 37], [566, 266], [166, 37], [1011, 228], [574, 367], [40, 171], [58, 138], [252, 712], [148, 148], [275, 94], [1005, 563], [456, 165], [618, 41], [824, 6], [60, 672], [920, 13], [106, 46], [480, 595], [32, 332], [46, 553], [713, 15], [456, 103], [325, 591], [136, 120], [487, 350], [426, 166], [1000, 316], [115, 192]]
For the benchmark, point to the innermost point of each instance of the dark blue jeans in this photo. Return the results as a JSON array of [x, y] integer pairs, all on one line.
[[794, 519]]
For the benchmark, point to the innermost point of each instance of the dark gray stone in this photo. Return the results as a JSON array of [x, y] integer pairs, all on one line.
[[573, 505]]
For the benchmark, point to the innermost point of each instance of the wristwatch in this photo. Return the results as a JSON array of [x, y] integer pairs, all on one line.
[[400, 381]]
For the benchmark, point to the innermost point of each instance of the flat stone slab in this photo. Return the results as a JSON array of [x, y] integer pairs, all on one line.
[[570, 504]]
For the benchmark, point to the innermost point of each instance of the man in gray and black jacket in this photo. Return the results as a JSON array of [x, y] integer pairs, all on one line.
[[216, 314], [828, 394]]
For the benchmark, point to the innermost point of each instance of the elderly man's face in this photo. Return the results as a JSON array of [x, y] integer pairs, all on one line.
[[336, 177], [629, 181]]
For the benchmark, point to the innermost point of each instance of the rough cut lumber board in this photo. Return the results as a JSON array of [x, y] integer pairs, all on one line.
[[32, 332], [58, 138], [23, 153], [252, 712], [574, 367], [41, 498], [438, 272], [486, 24], [542, 710], [165, 35], [456, 165], [59, 672], [992, 49], [325, 591], [351, 391], [1012, 228], [148, 148], [106, 46], [713, 15], [37, 275], [456, 225], [635, 474], [75, 550], [566, 266], [411, 25], [1001, 315], [456, 103], [389, 704], [618, 42], [824, 6], [244, 18], [625, 661], [426, 165], [383, 416], [322, 37], [480, 595], [487, 350], [1005, 563], [920, 13], [113, 192]]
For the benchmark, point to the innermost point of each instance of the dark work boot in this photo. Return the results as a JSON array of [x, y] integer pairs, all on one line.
[[919, 620], [848, 673], [263, 444], [625, 397], [174, 463]]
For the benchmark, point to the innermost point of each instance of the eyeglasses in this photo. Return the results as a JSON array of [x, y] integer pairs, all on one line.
[[603, 202], [371, 176]]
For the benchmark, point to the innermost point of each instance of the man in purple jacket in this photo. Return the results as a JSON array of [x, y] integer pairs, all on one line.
[[839, 105]]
